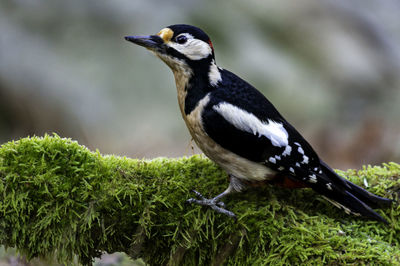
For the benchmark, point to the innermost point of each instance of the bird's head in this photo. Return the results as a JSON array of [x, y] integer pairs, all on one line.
[[179, 46]]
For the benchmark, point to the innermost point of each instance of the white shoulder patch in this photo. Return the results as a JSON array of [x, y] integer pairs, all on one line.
[[214, 75], [248, 122]]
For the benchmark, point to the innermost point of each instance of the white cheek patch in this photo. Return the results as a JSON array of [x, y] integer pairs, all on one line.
[[248, 122], [193, 49]]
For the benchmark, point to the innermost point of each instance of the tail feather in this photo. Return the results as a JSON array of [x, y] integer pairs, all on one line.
[[348, 196], [360, 193], [368, 197], [352, 205]]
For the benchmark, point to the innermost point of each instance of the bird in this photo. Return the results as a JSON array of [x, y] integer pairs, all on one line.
[[239, 129]]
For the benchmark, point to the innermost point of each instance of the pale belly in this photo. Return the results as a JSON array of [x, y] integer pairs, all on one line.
[[229, 161]]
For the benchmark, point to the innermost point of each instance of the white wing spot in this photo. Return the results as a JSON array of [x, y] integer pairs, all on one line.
[[281, 168], [300, 150], [248, 122], [287, 150], [277, 157], [329, 186], [291, 170], [297, 165], [298, 144], [316, 169], [313, 179], [305, 159], [272, 159]]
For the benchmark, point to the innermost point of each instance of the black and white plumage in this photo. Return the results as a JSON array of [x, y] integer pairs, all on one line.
[[239, 129]]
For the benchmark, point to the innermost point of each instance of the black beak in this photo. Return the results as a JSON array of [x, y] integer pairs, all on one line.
[[150, 42]]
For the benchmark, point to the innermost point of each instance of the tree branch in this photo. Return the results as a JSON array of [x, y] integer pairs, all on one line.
[[60, 199]]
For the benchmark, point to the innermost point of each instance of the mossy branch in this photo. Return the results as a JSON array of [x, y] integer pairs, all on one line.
[[60, 199]]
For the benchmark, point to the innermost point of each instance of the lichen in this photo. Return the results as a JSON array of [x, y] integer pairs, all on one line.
[[59, 199]]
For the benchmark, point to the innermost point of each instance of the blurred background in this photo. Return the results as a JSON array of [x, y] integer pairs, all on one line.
[[332, 68]]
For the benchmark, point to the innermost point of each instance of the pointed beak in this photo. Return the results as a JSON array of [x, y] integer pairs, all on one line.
[[152, 42]]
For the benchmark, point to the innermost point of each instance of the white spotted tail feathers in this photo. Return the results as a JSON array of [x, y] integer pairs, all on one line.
[[348, 196]]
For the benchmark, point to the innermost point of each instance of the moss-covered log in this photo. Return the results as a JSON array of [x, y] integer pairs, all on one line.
[[60, 199]]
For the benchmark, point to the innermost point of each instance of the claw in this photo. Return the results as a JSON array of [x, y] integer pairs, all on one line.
[[214, 203], [198, 194], [191, 200]]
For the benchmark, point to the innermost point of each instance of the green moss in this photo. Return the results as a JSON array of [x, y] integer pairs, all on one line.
[[60, 199]]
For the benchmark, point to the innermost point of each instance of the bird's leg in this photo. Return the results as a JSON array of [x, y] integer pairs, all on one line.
[[234, 186], [214, 203]]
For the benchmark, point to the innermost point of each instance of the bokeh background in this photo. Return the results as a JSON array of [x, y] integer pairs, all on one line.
[[332, 68]]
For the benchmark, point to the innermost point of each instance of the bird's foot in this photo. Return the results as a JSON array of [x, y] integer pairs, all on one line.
[[214, 203]]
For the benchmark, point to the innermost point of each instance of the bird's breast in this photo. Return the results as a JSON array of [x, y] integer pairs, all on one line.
[[182, 77]]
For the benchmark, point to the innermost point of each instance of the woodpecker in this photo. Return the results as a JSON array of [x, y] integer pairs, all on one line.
[[238, 128]]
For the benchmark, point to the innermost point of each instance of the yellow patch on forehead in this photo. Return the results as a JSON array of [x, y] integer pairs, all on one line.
[[166, 34]]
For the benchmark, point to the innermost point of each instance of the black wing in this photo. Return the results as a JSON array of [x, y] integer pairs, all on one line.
[[243, 99], [242, 120]]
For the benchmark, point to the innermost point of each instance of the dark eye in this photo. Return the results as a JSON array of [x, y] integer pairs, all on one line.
[[181, 39]]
